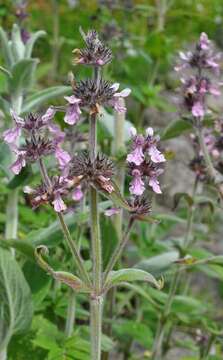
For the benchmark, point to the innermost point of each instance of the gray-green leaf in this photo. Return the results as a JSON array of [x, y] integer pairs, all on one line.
[[15, 299]]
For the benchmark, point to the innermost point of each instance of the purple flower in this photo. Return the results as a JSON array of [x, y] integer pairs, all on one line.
[[77, 194], [137, 155], [58, 204], [198, 110], [62, 156], [154, 183], [137, 185], [115, 101], [151, 141], [49, 115], [19, 163], [73, 110], [112, 211], [11, 135], [204, 42]]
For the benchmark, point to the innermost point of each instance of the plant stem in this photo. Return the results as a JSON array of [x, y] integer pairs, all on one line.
[[74, 250], [96, 298], [158, 344], [70, 313], [210, 168], [3, 355], [96, 321], [118, 251], [119, 147]]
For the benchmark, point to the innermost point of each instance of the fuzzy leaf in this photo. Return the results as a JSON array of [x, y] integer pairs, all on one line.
[[41, 97], [116, 278], [17, 45], [22, 76], [158, 264], [15, 299], [31, 42], [5, 48], [24, 247]]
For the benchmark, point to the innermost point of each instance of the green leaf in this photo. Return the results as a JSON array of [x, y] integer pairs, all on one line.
[[181, 195], [157, 265], [41, 97], [31, 42], [24, 247], [15, 299], [67, 278], [6, 51], [128, 330], [17, 45], [175, 128], [116, 278], [22, 76]]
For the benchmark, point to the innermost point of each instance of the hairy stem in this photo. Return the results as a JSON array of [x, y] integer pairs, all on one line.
[[96, 321], [70, 313], [73, 248], [96, 298]]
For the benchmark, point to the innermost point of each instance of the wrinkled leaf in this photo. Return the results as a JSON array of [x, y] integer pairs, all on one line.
[[15, 299]]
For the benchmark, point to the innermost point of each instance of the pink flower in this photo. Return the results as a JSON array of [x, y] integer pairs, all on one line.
[[112, 211], [204, 41], [73, 110], [156, 155], [49, 115], [137, 185], [154, 183], [137, 155], [77, 194], [115, 101], [62, 156], [198, 110], [20, 162], [11, 135], [59, 204]]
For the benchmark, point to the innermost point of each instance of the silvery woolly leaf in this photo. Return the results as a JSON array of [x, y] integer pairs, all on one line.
[[31, 42]]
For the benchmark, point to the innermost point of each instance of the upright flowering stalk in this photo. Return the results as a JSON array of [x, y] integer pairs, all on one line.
[[88, 170], [196, 86]]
